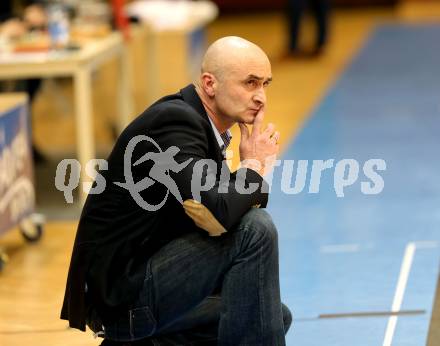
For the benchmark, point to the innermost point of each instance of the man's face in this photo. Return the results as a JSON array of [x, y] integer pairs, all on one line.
[[240, 91]]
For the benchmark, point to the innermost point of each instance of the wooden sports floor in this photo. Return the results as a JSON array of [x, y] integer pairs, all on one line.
[[32, 284]]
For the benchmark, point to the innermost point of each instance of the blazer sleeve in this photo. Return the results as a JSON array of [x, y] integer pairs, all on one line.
[[227, 195]]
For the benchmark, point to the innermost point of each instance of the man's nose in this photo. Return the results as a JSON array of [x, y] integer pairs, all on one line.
[[260, 97]]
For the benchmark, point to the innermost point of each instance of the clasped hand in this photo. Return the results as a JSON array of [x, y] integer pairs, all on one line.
[[258, 150]]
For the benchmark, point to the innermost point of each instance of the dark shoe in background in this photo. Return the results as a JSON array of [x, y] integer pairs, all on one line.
[[38, 156]]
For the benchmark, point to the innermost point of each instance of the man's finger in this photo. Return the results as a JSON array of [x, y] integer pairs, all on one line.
[[191, 212], [244, 131], [276, 136], [258, 122], [191, 203], [270, 129]]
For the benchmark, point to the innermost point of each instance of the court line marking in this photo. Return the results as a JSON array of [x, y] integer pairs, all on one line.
[[373, 314], [400, 291]]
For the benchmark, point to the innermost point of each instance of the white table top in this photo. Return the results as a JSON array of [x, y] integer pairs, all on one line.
[[57, 62]]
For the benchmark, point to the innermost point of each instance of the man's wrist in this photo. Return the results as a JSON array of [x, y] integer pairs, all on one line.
[[253, 164]]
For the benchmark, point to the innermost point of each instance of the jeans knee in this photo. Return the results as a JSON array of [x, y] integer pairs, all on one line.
[[260, 223], [287, 318]]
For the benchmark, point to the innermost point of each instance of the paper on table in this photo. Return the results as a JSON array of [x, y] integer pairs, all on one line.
[[169, 15]]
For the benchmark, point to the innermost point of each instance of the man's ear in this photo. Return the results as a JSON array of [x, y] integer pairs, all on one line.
[[209, 83]]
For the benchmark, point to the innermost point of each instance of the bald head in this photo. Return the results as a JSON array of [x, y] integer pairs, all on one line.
[[229, 53], [233, 78]]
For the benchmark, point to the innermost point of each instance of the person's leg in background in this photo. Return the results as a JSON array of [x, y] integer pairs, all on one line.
[[321, 10], [243, 262], [295, 10]]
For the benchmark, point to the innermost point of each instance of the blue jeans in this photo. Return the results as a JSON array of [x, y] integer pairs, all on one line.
[[202, 290]]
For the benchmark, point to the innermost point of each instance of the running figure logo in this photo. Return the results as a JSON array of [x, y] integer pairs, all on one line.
[[163, 163]]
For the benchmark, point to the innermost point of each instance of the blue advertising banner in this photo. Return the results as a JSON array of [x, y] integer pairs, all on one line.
[[17, 196]]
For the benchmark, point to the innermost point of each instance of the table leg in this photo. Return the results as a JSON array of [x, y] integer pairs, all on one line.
[[125, 95], [153, 68], [84, 122]]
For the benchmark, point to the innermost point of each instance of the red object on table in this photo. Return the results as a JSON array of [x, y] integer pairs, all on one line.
[[121, 20]]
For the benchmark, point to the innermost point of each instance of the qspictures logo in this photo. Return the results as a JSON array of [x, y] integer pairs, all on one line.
[[204, 175]]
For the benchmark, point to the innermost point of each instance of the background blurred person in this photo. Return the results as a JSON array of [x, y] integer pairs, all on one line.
[[320, 11]]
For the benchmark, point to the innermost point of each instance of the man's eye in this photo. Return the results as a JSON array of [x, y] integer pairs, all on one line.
[[252, 82]]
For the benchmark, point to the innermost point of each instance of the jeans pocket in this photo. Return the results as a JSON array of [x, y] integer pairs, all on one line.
[[142, 322]]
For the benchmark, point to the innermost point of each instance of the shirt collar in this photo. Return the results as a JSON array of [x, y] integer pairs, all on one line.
[[223, 139]]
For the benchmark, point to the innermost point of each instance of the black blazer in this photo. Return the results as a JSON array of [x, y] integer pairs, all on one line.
[[116, 237]]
